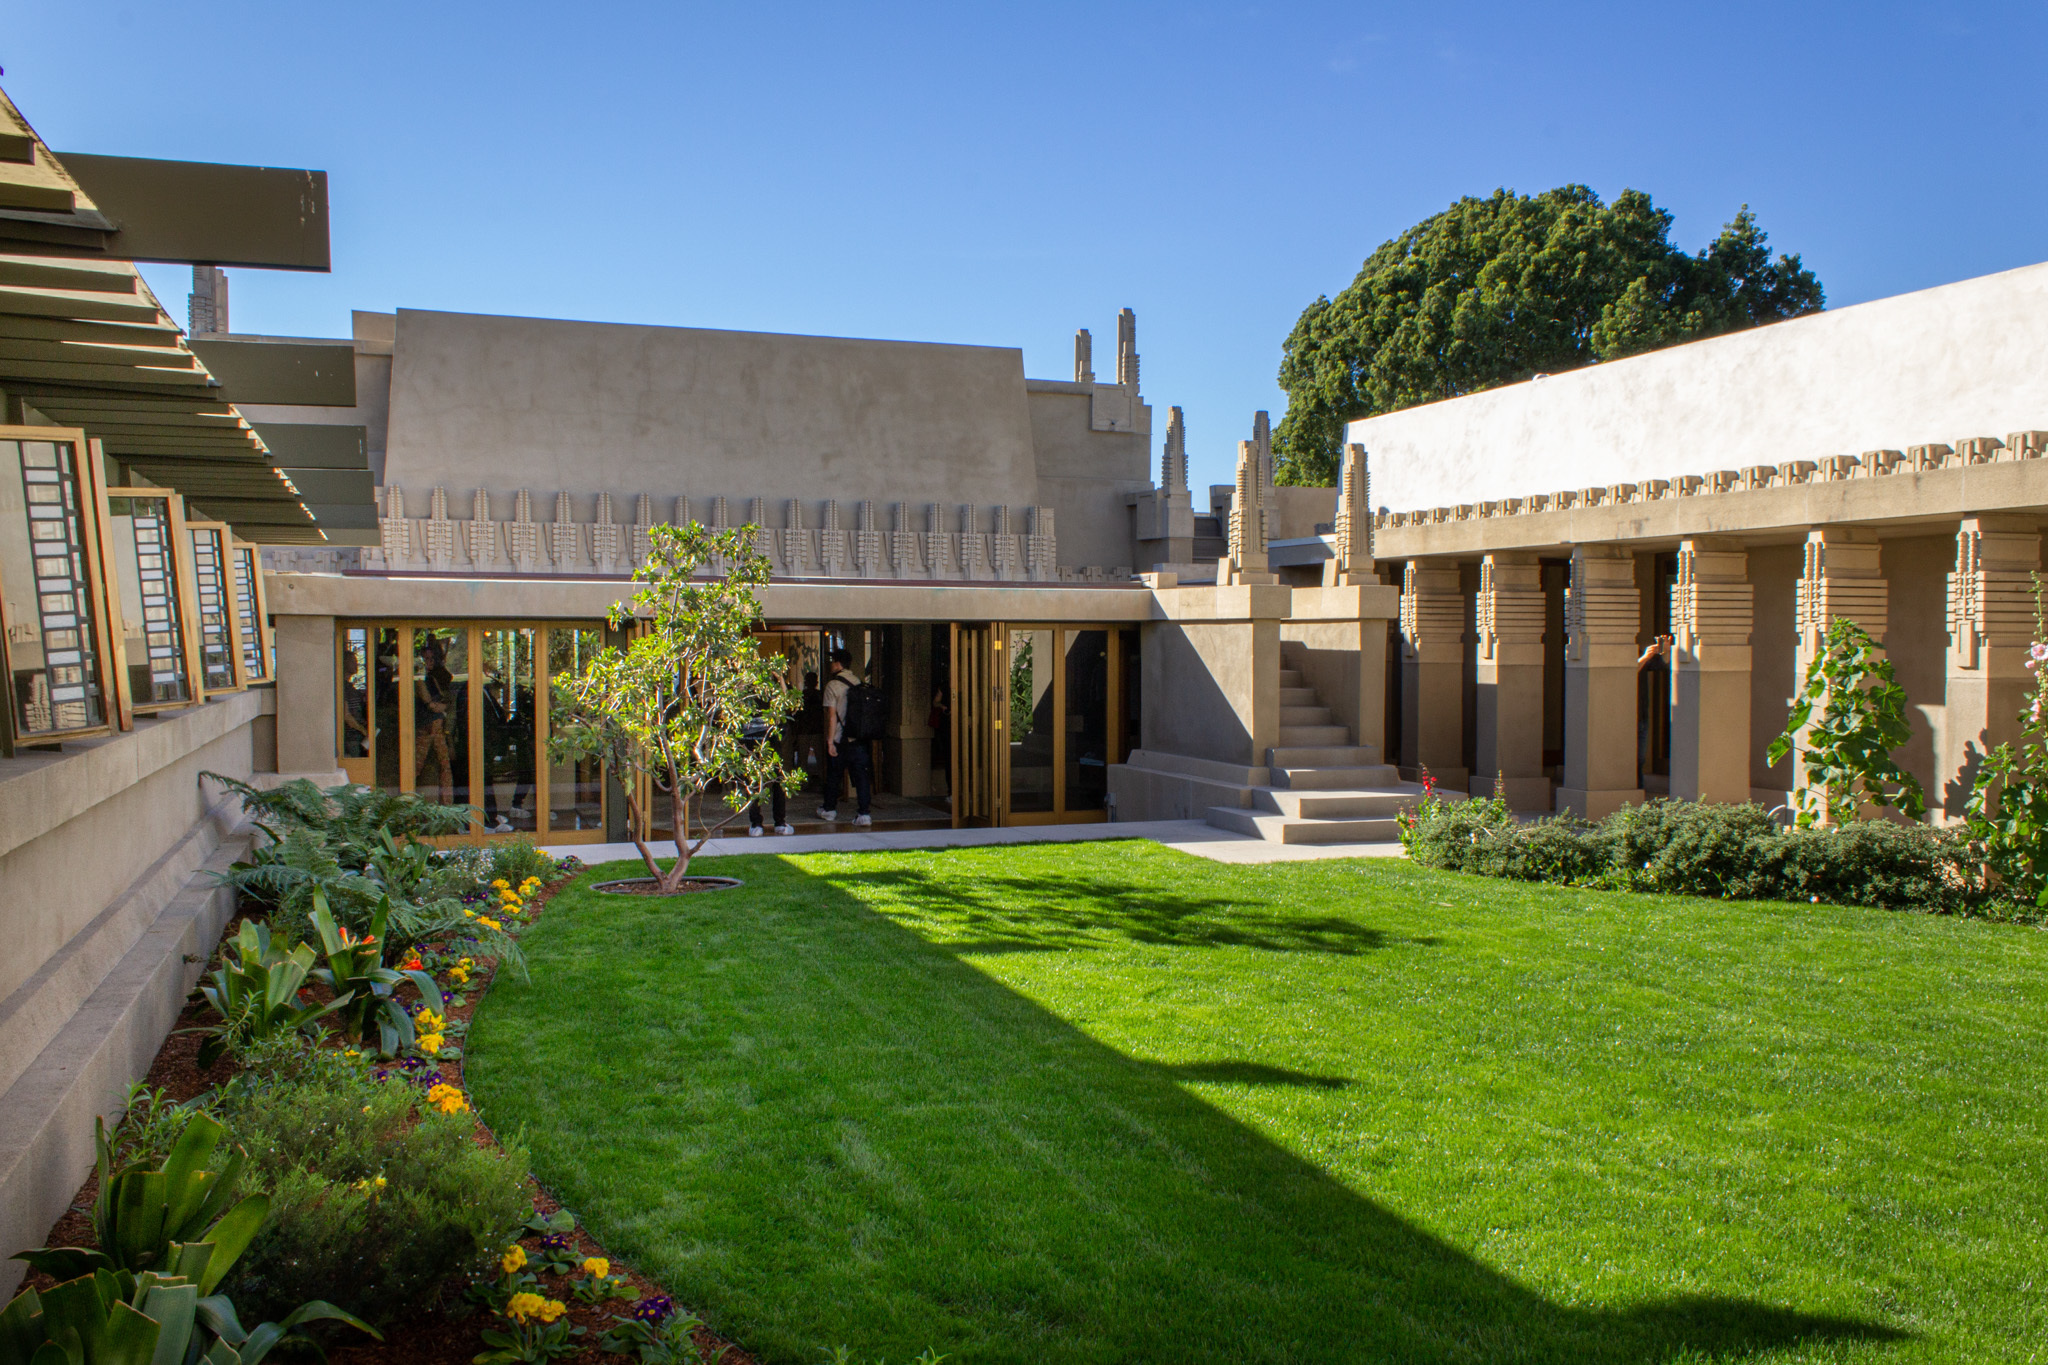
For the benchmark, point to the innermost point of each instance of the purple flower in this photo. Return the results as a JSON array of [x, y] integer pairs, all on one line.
[[654, 1308], [555, 1241]]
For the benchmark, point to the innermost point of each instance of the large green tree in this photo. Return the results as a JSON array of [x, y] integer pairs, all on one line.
[[1493, 291]]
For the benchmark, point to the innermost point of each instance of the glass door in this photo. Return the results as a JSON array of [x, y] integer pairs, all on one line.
[[1056, 712]]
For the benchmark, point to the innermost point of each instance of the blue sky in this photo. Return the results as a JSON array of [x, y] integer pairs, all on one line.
[[1003, 175]]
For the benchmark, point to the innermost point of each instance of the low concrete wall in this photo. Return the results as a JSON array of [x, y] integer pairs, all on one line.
[[105, 848]]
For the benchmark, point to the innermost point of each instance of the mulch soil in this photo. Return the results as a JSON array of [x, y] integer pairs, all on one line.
[[448, 1337]]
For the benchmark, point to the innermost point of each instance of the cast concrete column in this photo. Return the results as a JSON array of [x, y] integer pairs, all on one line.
[[1603, 612], [1433, 672], [1990, 627], [1713, 611], [1840, 579], [1508, 737], [306, 668]]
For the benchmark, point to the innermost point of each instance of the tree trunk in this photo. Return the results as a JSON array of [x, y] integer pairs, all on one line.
[[679, 829]]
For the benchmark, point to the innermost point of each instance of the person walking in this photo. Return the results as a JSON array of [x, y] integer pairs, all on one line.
[[846, 746], [753, 735]]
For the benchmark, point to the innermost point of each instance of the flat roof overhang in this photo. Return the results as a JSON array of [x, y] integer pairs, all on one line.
[[545, 599], [85, 343]]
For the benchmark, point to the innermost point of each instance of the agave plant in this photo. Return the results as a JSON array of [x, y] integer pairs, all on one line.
[[256, 991], [355, 966]]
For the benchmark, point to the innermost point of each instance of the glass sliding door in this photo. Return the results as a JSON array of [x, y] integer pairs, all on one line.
[[510, 731], [1061, 705], [441, 714], [458, 713], [1085, 720], [575, 801]]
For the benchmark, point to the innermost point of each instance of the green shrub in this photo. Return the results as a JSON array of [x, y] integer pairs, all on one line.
[[518, 859], [1688, 848], [319, 1148]]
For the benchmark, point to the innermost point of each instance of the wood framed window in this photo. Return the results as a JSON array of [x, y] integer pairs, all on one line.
[[54, 638], [457, 711], [151, 599], [252, 612], [220, 627]]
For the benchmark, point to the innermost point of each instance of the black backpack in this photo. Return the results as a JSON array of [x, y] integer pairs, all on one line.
[[864, 717]]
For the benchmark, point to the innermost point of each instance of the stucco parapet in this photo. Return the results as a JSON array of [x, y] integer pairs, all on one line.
[[1223, 602], [1360, 602], [41, 791], [1900, 498], [587, 600]]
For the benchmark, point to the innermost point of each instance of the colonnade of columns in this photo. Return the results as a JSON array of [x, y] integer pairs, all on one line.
[[1477, 665]]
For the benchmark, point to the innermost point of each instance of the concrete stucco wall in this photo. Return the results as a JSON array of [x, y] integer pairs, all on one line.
[[1963, 360], [105, 852], [1084, 475], [524, 403]]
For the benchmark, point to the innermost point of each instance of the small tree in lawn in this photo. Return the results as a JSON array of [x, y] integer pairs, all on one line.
[[1853, 714], [671, 707]]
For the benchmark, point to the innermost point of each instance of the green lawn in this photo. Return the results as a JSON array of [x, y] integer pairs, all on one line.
[[1106, 1102]]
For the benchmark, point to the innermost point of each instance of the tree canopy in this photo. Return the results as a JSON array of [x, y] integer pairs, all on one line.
[[1497, 290]]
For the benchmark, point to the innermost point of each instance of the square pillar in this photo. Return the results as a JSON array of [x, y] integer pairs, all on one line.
[[1713, 611], [1508, 734], [1840, 579], [1990, 628], [306, 695], [1603, 613], [1433, 673]]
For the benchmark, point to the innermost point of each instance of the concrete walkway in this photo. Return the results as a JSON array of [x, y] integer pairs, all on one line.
[[1189, 836]]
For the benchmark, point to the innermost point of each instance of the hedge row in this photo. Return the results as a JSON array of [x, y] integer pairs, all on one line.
[[1720, 851]]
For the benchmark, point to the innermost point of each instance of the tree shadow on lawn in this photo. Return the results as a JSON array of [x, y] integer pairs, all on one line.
[[1020, 913], [919, 1155]]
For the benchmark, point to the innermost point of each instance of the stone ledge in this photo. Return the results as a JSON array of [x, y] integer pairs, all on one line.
[[46, 1116], [40, 792]]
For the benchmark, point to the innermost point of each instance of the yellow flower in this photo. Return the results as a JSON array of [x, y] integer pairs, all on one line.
[[552, 1309], [514, 1261], [429, 1022], [522, 1306], [351, 1052], [500, 884], [597, 1267], [380, 1182], [470, 913], [449, 1100], [487, 922], [526, 887], [430, 1043], [459, 975]]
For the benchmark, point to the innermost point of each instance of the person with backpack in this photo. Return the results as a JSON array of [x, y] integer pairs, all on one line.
[[853, 721]]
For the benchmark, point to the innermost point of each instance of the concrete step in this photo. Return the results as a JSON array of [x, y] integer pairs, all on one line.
[[1291, 677], [1304, 715], [1281, 829], [1311, 736], [1298, 696], [1339, 755], [1341, 804], [1337, 779]]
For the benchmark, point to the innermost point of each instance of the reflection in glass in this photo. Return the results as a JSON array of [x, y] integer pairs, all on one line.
[[510, 750], [1031, 663], [145, 575], [216, 638], [440, 714], [255, 659], [576, 788], [355, 693], [54, 680], [385, 679], [1087, 719], [1130, 731]]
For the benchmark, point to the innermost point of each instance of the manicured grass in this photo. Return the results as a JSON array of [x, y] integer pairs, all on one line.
[[1105, 1102]]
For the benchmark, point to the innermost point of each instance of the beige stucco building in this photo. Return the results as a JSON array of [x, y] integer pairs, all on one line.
[[372, 557]]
